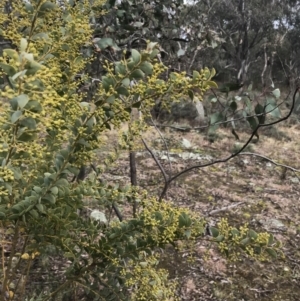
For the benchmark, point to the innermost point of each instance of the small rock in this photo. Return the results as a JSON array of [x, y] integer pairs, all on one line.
[[186, 143]]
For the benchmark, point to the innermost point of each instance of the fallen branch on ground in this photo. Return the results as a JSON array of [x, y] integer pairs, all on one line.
[[224, 208]]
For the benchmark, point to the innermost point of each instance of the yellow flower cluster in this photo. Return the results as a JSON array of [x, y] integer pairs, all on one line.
[[163, 219], [6, 174], [151, 283], [232, 241]]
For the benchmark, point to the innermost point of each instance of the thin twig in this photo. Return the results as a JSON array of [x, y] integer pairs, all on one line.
[[49, 296], [265, 66], [114, 206], [156, 161], [216, 96], [193, 60], [270, 160], [261, 291], [165, 143]]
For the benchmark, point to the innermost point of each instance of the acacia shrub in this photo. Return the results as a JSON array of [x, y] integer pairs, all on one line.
[[48, 131]]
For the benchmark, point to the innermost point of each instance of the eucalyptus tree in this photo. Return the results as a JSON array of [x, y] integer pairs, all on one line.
[[249, 33]]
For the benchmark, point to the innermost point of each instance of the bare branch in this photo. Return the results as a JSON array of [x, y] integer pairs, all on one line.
[[167, 183], [193, 59], [114, 206], [164, 141], [282, 65], [216, 96], [225, 208], [156, 161], [270, 160], [265, 66]]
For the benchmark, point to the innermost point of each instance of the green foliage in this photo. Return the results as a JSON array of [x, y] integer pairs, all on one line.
[[243, 106], [231, 241]]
